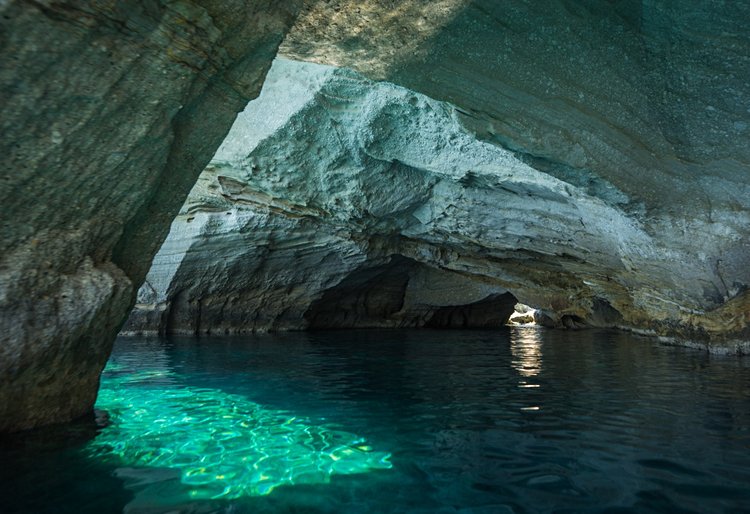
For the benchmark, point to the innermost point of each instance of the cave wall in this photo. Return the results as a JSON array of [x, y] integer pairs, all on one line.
[[110, 109], [348, 171], [108, 113], [641, 94], [262, 245], [642, 104]]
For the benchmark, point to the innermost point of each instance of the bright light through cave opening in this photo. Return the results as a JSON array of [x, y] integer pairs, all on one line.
[[522, 315]]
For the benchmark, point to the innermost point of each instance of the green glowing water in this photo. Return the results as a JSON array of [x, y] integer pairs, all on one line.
[[224, 446], [522, 420]]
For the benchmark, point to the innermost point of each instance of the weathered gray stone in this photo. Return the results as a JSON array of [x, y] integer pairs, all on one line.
[[349, 172], [643, 105], [304, 249], [108, 112]]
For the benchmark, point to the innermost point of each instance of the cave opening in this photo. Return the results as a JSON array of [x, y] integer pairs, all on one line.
[[407, 165], [403, 293], [524, 315]]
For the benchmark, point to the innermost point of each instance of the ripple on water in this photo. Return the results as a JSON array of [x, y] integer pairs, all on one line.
[[623, 425], [223, 445]]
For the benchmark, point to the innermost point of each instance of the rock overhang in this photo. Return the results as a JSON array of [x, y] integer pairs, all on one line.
[[392, 172], [642, 104]]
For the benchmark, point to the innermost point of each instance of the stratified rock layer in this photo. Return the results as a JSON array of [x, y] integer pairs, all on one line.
[[244, 256], [290, 225], [643, 105], [109, 111]]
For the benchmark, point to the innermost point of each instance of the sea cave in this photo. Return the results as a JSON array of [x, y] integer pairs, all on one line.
[[326, 256]]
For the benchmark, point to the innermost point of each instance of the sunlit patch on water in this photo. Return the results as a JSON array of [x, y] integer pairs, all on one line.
[[223, 445]]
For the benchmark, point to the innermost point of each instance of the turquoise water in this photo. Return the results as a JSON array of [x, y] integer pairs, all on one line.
[[520, 420], [223, 446]]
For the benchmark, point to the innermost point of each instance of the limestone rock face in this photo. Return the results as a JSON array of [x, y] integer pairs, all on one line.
[[643, 105], [639, 95], [108, 112], [308, 211], [629, 117], [294, 252]]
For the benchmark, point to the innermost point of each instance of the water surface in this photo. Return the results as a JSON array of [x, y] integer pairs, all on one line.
[[519, 420]]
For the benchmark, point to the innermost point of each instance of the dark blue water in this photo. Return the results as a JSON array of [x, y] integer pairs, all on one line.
[[520, 420]]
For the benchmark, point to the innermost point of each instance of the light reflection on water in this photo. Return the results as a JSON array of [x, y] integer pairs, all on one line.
[[622, 425], [526, 348], [221, 446]]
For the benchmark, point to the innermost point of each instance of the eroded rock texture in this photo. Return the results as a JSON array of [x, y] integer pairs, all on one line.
[[108, 112], [349, 172], [643, 105], [627, 117], [269, 239]]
